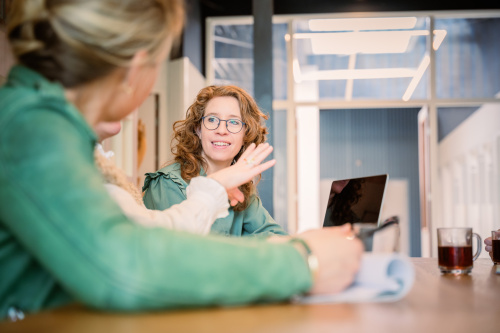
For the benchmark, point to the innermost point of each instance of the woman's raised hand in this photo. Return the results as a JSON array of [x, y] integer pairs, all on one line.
[[248, 166]]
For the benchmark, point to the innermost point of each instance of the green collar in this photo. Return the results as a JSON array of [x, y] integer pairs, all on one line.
[[22, 76]]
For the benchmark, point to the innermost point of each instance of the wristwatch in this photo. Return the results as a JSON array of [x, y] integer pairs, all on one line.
[[312, 261]]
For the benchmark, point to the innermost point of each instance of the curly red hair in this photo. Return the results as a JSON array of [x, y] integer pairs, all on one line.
[[186, 145]]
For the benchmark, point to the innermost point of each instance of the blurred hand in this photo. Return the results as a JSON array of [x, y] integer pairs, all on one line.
[[488, 248], [488, 245], [339, 257], [247, 167]]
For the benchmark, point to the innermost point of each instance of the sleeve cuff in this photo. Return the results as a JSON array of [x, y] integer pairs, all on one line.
[[212, 192]]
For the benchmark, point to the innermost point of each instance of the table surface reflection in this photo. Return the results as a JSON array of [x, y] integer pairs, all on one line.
[[436, 303]]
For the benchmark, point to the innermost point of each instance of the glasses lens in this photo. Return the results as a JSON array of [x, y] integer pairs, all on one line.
[[211, 122], [234, 125]]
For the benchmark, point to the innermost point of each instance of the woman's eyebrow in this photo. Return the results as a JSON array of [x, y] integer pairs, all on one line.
[[231, 116]]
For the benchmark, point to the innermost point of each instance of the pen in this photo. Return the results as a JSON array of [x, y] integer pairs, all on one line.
[[363, 234]]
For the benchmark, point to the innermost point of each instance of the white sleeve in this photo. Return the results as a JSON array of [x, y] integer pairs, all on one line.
[[206, 201]]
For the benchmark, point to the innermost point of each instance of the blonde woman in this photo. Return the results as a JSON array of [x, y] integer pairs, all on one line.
[[219, 126], [63, 239]]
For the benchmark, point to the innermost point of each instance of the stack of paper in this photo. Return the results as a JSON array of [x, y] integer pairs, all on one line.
[[383, 277]]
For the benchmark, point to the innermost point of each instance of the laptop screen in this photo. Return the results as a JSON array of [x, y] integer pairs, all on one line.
[[355, 200]]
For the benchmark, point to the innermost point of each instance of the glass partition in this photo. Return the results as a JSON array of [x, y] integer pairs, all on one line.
[[366, 142], [363, 58], [357, 84], [467, 63], [233, 57]]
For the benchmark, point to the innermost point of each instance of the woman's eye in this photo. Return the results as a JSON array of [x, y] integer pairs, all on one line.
[[213, 119], [234, 122]]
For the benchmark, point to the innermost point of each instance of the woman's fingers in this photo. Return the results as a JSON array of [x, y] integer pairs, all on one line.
[[248, 151], [235, 195], [259, 156], [258, 169], [247, 167], [255, 155]]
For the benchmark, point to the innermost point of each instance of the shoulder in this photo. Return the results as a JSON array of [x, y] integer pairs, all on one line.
[[255, 206], [42, 104], [254, 200], [41, 132], [165, 177], [171, 169], [33, 106]]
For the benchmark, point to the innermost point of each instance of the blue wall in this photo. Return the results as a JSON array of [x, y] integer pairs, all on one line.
[[384, 140]]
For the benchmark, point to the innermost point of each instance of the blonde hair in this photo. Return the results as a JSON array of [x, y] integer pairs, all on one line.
[[186, 145], [116, 176], [77, 41]]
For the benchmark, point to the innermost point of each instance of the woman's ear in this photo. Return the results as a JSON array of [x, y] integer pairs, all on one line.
[[132, 74], [198, 132]]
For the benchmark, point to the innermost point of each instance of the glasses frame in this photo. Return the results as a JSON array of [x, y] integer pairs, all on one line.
[[220, 120]]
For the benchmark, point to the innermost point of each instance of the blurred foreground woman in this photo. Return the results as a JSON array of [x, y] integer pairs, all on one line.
[[62, 238]]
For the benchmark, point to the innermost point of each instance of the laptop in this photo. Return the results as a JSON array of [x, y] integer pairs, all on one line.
[[356, 200]]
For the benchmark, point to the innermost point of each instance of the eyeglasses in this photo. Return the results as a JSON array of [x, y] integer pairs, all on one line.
[[212, 123]]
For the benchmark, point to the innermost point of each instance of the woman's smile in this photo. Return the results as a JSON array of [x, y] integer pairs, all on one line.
[[220, 144]]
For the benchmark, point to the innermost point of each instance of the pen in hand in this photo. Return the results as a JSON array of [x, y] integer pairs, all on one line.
[[363, 234]]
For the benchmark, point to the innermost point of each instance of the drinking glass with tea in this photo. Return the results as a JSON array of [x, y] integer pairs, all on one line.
[[455, 250], [495, 244]]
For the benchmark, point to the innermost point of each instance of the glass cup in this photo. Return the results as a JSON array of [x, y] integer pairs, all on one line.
[[455, 250], [495, 244]]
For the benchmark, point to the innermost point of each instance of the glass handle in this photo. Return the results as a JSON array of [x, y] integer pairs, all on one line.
[[478, 245]]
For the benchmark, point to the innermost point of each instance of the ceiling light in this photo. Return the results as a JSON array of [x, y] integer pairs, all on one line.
[[366, 42], [358, 74], [297, 75], [438, 38], [357, 24], [416, 79]]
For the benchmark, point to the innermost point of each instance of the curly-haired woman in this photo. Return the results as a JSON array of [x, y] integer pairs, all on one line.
[[219, 126]]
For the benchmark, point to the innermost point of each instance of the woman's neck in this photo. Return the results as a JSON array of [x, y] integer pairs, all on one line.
[[214, 167], [86, 106], [93, 99]]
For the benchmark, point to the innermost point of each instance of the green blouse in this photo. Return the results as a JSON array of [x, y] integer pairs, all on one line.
[[63, 239], [166, 187]]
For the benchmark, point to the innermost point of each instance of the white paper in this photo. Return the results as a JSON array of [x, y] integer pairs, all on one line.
[[382, 277]]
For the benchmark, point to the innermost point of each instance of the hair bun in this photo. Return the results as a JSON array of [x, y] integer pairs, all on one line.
[[22, 22], [74, 42]]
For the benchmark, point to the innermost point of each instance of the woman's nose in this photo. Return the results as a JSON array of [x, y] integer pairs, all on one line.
[[222, 129]]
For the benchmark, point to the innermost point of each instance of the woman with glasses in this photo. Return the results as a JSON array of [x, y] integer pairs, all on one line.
[[219, 126]]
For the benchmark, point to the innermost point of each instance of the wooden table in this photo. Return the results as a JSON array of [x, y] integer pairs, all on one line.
[[436, 303]]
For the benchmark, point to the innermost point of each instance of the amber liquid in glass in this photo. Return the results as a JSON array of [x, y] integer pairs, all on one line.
[[496, 251], [455, 257]]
